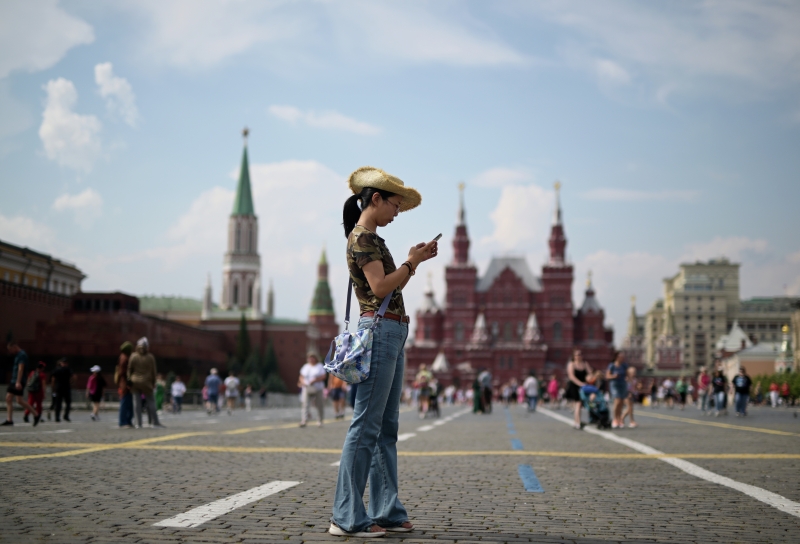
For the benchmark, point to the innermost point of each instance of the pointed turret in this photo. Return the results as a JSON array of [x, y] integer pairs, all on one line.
[[440, 363], [429, 302], [243, 203], [461, 238], [590, 303], [557, 242], [322, 303], [633, 320], [480, 335], [532, 333]]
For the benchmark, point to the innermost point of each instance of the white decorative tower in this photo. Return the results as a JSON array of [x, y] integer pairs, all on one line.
[[241, 271]]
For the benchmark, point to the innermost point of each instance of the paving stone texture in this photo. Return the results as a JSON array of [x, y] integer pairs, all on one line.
[[117, 494]]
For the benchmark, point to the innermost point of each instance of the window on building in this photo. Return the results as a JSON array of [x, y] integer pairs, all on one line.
[[507, 332], [520, 329], [711, 299], [762, 326], [510, 361], [6, 276], [495, 329], [590, 333], [459, 331], [428, 333], [25, 280], [558, 333], [772, 326], [238, 238], [251, 240], [236, 294], [501, 363], [250, 295]]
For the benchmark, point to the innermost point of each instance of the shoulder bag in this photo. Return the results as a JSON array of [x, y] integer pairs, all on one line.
[[351, 353]]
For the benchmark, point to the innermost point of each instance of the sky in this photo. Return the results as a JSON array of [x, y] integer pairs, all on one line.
[[674, 129]]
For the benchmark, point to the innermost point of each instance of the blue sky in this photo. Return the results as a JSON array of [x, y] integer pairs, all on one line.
[[674, 128]]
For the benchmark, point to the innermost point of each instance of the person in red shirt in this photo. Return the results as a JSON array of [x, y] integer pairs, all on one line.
[[785, 393], [773, 394], [36, 389]]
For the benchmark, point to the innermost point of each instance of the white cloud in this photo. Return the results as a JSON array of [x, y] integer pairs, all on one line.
[[24, 231], [628, 195], [86, 206], [521, 218], [500, 177], [117, 93], [328, 120], [693, 46], [611, 73], [36, 35], [69, 138], [202, 33], [735, 248]]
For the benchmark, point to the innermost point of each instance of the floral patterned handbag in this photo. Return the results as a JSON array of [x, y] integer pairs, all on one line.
[[351, 353]]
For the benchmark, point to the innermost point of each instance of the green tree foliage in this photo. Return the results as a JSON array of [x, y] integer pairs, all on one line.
[[194, 380], [792, 378], [242, 342], [272, 379], [275, 384]]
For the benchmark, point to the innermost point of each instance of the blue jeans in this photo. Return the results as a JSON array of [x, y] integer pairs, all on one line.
[[741, 403], [719, 401], [126, 410], [704, 400], [618, 390], [532, 403], [370, 448]]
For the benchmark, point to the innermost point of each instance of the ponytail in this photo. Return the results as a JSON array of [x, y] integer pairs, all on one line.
[[350, 214], [356, 203]]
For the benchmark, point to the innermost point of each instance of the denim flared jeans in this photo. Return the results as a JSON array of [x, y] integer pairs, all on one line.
[[370, 448]]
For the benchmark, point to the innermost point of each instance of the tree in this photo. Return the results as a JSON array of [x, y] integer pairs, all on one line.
[[272, 379], [194, 381], [242, 342]]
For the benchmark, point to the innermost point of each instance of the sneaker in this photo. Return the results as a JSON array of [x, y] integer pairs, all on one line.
[[36, 419], [26, 418], [400, 529], [6, 423], [94, 418], [337, 531]]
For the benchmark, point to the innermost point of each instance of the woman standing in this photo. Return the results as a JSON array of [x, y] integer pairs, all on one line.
[[377, 199], [633, 392], [617, 376], [577, 370], [95, 387]]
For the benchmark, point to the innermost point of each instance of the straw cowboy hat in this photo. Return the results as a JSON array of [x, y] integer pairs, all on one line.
[[369, 176]]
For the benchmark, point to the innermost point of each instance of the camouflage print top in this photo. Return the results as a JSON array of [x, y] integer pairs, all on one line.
[[363, 247]]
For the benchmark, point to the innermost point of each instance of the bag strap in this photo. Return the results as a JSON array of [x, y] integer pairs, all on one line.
[[381, 310]]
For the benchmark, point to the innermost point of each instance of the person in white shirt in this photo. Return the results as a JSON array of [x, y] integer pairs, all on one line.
[[231, 391], [312, 381], [531, 385], [177, 391]]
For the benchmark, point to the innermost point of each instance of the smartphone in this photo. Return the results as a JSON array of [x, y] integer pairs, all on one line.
[[437, 237]]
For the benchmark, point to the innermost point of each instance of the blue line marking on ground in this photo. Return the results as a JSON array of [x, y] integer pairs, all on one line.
[[516, 444], [529, 479]]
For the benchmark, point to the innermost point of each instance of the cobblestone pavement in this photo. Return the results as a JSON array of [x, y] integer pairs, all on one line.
[[91, 482]]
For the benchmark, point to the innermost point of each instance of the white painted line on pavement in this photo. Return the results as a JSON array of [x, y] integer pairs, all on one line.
[[405, 436], [767, 497], [425, 428], [198, 516], [336, 464], [60, 431]]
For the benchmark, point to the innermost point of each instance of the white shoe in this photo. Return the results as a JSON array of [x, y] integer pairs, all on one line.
[[337, 531]]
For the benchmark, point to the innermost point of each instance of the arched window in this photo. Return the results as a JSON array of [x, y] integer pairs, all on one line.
[[250, 295], [495, 329], [238, 240], [557, 331], [251, 240], [236, 293], [459, 331], [428, 333], [590, 333], [507, 331]]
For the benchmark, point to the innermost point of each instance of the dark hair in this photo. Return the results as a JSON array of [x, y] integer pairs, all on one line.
[[352, 211]]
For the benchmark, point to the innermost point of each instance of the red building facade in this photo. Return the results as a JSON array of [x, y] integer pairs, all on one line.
[[508, 320]]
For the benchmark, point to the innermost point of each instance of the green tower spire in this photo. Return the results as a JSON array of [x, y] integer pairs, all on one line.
[[322, 304], [243, 203]]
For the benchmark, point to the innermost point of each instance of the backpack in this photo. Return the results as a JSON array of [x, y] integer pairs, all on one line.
[[35, 385]]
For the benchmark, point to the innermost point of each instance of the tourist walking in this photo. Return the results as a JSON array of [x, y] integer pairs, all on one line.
[[312, 381], [121, 379], [37, 382], [773, 394], [94, 389], [669, 392], [423, 385], [633, 387], [531, 387], [142, 380], [577, 371], [477, 397], [378, 198], [741, 385], [231, 392], [337, 394], [19, 376], [61, 383], [617, 376], [485, 380], [786, 394], [552, 391], [177, 391], [719, 383], [703, 389], [654, 391], [212, 385], [682, 388], [248, 398]]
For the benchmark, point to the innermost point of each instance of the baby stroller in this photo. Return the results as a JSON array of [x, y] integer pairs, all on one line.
[[595, 404]]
